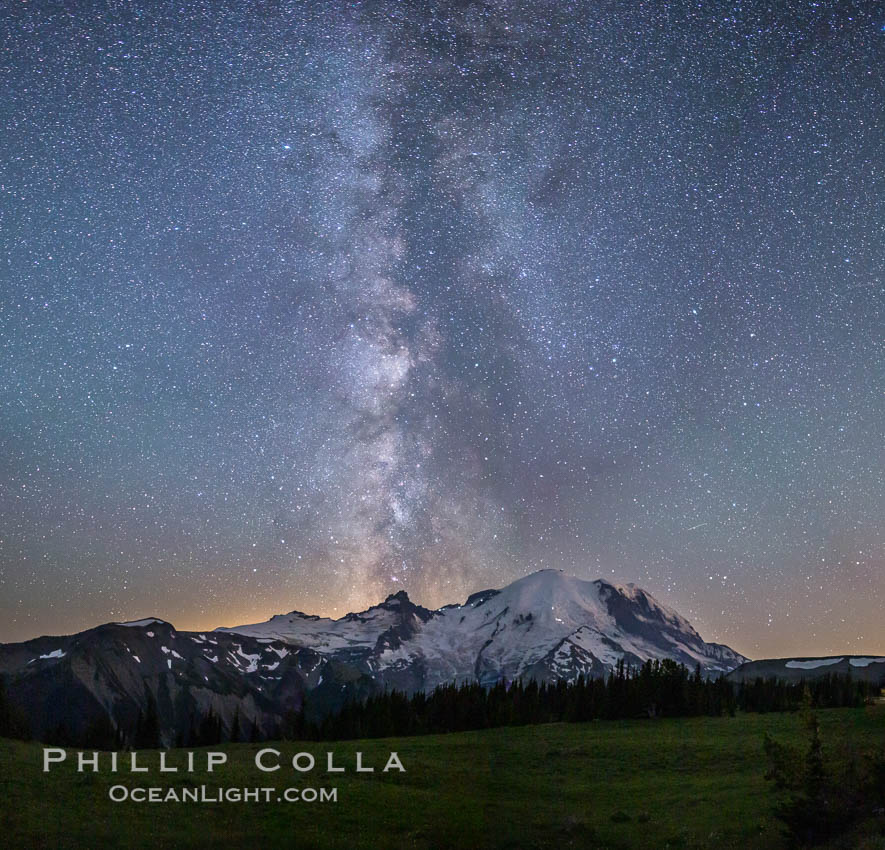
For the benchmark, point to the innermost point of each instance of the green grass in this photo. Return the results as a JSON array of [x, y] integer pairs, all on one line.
[[694, 782]]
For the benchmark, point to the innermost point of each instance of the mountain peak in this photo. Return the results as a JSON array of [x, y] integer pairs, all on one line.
[[144, 623], [505, 633], [395, 598]]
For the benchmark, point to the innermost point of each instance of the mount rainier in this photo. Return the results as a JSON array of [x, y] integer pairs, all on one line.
[[546, 626]]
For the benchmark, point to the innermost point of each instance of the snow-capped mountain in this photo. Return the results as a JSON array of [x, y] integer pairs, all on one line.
[[546, 626], [112, 682]]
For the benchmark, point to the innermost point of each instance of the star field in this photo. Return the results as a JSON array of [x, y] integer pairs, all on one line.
[[305, 303]]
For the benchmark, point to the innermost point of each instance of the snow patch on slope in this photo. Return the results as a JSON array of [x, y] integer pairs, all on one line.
[[812, 664]]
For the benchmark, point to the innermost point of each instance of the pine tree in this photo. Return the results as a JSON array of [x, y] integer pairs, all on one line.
[[5, 714], [820, 806], [210, 729], [147, 727]]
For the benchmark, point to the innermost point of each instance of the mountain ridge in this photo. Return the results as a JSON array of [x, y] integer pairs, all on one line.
[[546, 627], [501, 633]]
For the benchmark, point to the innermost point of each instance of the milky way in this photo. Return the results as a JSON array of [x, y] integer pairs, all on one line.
[[304, 303]]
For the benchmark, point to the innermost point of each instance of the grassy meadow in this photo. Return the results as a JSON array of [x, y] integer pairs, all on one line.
[[670, 783]]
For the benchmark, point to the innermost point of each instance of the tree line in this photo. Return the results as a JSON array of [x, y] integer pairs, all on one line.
[[658, 688]]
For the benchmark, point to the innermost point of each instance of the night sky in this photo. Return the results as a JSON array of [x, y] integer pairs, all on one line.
[[306, 303]]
